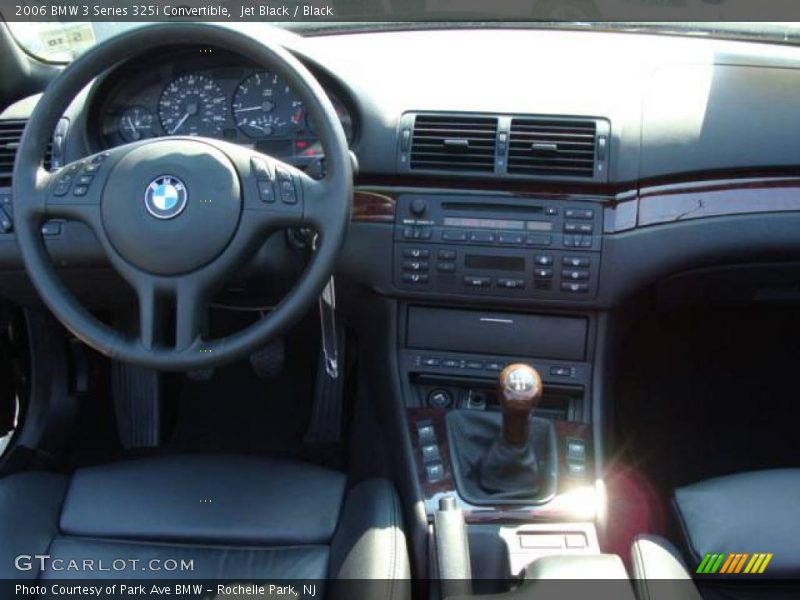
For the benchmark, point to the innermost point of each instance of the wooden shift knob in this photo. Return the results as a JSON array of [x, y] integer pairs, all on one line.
[[519, 390]]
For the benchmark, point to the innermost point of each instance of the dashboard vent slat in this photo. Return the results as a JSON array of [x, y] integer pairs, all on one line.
[[453, 143], [10, 136], [552, 147]]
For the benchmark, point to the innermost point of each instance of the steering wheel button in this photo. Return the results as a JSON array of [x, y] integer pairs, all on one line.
[[80, 190], [91, 167], [260, 169], [84, 179], [51, 228], [62, 187], [265, 191]]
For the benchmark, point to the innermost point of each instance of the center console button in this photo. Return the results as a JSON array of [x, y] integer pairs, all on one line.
[[483, 237], [534, 239], [426, 432], [430, 452], [493, 366], [543, 273], [510, 239], [450, 363], [447, 254], [416, 253], [474, 364], [434, 472], [575, 261], [415, 265], [446, 267], [579, 213], [579, 288], [543, 260], [430, 361], [477, 281], [453, 235], [511, 284], [415, 277], [575, 274]]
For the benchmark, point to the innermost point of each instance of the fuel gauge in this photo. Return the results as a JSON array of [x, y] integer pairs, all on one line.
[[136, 123]]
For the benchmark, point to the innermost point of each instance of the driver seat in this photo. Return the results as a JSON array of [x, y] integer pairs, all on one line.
[[237, 517]]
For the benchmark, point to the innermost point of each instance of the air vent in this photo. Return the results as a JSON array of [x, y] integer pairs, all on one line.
[[10, 135], [552, 147], [453, 143]]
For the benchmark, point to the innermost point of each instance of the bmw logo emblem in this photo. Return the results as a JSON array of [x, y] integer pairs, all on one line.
[[165, 197]]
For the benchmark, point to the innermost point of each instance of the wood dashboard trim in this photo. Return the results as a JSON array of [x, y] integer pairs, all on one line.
[[626, 208]]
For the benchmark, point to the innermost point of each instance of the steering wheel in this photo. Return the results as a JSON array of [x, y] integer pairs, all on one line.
[[175, 216]]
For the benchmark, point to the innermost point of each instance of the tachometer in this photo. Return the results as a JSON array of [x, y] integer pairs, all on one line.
[[263, 105], [343, 114], [192, 105]]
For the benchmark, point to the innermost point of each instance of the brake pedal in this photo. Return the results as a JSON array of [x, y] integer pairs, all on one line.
[[268, 361]]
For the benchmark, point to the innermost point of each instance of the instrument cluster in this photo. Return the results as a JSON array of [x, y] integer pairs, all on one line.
[[200, 93]]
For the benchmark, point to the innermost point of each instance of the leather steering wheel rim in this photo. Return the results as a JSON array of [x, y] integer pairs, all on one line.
[[185, 287]]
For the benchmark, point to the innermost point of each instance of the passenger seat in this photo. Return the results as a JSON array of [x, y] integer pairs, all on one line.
[[747, 513]]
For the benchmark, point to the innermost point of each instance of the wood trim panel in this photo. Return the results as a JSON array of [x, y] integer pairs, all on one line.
[[698, 200], [625, 209], [373, 207]]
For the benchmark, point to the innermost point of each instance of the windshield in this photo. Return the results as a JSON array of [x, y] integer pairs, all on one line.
[[59, 41]]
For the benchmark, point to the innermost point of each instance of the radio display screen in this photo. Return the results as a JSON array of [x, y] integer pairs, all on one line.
[[540, 226], [483, 223], [494, 263]]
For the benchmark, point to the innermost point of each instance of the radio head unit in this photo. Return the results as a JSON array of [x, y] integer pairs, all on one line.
[[498, 246]]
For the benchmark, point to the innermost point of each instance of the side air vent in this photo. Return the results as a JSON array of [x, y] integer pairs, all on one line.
[[10, 135], [453, 143], [552, 147]]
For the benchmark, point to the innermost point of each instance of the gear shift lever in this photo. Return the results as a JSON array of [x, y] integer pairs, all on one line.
[[519, 391], [509, 456], [511, 465]]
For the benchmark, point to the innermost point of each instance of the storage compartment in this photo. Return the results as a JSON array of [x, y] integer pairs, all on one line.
[[510, 334]]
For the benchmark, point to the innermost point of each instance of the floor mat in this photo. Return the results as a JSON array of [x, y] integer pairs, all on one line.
[[238, 412]]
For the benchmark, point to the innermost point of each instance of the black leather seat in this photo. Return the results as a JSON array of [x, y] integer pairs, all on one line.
[[756, 512], [235, 517], [748, 512]]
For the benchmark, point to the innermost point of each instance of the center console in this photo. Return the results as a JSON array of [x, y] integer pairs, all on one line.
[[492, 281]]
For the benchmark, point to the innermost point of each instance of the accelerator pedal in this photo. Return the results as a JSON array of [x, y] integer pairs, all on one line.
[[137, 399]]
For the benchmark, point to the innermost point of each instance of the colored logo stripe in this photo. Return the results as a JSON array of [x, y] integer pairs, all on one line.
[[730, 564]]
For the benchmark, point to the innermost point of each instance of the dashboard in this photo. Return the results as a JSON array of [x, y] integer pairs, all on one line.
[[701, 154], [209, 93]]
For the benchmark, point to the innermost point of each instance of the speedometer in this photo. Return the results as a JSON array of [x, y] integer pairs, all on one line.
[[263, 106], [192, 105]]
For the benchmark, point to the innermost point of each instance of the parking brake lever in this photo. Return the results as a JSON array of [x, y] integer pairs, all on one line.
[[452, 549], [327, 323]]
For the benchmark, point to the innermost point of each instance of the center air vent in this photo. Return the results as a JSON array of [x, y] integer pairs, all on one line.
[[10, 135], [453, 143], [552, 147]]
